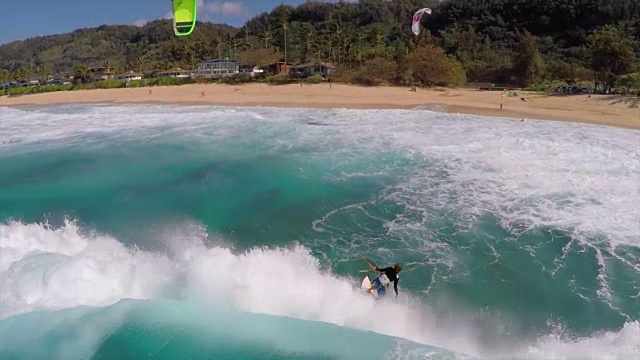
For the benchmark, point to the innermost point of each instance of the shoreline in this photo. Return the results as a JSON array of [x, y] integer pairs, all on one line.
[[609, 110]]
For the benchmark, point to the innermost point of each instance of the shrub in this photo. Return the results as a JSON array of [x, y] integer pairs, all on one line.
[[431, 66], [110, 84], [313, 79], [279, 79]]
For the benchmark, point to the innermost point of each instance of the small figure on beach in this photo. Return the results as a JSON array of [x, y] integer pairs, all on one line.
[[201, 93]]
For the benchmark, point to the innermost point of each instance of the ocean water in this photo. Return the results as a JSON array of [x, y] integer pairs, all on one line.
[[177, 232]]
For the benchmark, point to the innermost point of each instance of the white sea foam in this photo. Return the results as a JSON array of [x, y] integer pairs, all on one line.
[[583, 178], [45, 268]]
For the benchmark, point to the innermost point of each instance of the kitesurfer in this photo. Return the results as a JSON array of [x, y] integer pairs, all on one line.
[[389, 274]]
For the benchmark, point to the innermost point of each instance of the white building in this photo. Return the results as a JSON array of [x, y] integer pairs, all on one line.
[[175, 73], [129, 76], [217, 68], [251, 70]]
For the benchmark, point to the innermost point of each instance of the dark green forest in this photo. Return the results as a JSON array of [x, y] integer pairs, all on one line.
[[524, 43]]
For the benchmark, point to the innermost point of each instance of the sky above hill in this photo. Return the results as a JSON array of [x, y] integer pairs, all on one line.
[[29, 18]]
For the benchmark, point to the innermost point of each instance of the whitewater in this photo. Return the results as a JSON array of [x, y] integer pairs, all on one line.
[[163, 232]]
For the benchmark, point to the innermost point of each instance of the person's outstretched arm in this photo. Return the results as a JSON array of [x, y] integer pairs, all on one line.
[[395, 286]]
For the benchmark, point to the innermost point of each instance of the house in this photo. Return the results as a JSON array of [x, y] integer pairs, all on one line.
[[129, 76], [60, 79], [101, 73], [313, 68], [217, 68], [175, 73], [251, 70], [279, 67]]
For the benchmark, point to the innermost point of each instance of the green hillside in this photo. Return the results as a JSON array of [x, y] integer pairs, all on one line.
[[520, 42]]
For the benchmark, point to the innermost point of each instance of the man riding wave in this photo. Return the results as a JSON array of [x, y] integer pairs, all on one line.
[[388, 275]]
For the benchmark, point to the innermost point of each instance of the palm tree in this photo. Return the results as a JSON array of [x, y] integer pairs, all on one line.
[[23, 74], [109, 66], [307, 31], [317, 50], [33, 70], [358, 55], [328, 42], [80, 72], [285, 27], [5, 76], [245, 31], [219, 44], [139, 63], [43, 73], [339, 41], [267, 36], [379, 36], [235, 42]]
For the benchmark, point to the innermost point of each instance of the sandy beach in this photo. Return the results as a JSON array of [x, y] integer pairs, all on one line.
[[610, 110]]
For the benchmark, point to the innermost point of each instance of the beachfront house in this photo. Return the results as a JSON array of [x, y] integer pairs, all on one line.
[[60, 79], [129, 76], [175, 73], [217, 68], [251, 70], [31, 82], [279, 67], [313, 68], [101, 73]]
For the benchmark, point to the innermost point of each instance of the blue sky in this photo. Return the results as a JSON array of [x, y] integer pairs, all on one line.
[[22, 19]]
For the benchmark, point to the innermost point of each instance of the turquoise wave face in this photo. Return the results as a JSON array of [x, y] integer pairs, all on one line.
[[518, 239], [169, 329]]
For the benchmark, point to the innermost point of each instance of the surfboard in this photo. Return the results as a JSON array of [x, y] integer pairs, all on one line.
[[366, 284]]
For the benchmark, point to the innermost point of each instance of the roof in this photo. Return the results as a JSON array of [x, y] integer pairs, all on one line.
[[131, 73], [217, 61], [310, 64], [173, 70]]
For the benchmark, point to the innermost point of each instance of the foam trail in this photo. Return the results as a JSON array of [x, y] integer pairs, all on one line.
[[609, 345]]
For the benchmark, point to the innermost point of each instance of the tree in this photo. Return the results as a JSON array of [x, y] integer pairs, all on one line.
[[5, 76], [43, 73], [308, 33], [378, 70], [631, 81], [570, 73], [140, 62], [431, 66], [266, 37], [81, 73], [401, 58], [285, 26], [259, 57], [500, 41], [610, 52], [528, 63]]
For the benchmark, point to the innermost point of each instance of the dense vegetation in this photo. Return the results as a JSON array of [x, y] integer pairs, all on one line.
[[526, 43]]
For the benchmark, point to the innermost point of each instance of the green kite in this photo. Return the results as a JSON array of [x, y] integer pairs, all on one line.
[[184, 16]]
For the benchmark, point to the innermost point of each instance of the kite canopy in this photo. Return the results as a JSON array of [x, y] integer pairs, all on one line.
[[184, 16], [415, 25]]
